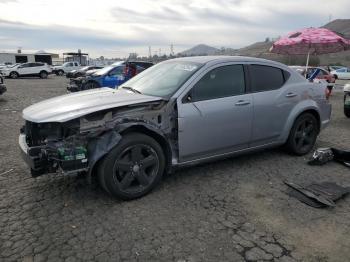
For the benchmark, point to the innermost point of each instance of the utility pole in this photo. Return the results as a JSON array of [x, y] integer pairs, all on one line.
[[330, 17], [149, 51], [171, 49], [160, 51]]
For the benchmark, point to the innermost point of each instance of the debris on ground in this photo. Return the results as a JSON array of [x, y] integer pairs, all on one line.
[[318, 195], [323, 155], [8, 171]]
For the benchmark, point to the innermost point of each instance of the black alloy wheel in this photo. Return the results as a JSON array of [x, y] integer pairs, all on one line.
[[136, 168], [303, 134], [133, 168]]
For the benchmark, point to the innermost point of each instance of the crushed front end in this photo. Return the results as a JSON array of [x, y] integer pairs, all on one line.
[[76, 84], [51, 147]]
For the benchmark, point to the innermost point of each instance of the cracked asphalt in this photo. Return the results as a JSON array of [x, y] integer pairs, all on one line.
[[231, 210]]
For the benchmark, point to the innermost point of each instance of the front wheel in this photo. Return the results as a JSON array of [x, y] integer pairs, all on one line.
[[60, 72], [133, 168], [14, 75], [303, 135], [43, 74], [91, 85]]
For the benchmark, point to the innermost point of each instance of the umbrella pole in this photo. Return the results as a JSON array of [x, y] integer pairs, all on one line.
[[307, 63]]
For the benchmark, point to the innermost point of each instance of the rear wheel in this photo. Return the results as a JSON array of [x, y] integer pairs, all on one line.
[[43, 74], [303, 135], [14, 75], [133, 168]]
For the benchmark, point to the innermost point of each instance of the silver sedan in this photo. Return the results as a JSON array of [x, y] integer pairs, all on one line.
[[179, 112]]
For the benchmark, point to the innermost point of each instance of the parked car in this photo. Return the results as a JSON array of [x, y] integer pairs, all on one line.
[[83, 71], [110, 76], [333, 68], [39, 69], [179, 112], [323, 73], [347, 100], [65, 68], [3, 88], [342, 73]]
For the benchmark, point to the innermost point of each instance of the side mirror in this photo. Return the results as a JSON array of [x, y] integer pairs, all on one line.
[[187, 98]]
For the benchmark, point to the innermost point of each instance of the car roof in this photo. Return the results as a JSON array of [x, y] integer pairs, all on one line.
[[216, 59]]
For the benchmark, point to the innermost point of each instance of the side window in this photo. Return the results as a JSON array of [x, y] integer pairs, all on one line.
[[118, 71], [69, 64], [265, 78], [220, 82], [24, 65]]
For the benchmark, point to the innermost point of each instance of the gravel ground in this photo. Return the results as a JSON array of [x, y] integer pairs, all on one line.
[[231, 210]]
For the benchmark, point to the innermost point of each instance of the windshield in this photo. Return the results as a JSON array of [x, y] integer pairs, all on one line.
[[163, 79], [104, 70]]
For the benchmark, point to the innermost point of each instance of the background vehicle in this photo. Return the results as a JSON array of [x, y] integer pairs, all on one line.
[[342, 73], [39, 69], [322, 75], [110, 76], [347, 100], [179, 112], [3, 88], [65, 68], [82, 71]]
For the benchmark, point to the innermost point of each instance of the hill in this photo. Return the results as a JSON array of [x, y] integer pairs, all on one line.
[[200, 49], [341, 26]]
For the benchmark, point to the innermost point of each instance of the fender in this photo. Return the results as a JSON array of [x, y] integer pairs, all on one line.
[[100, 146], [298, 109]]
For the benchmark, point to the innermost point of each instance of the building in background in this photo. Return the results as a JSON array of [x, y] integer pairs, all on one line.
[[19, 57], [82, 58]]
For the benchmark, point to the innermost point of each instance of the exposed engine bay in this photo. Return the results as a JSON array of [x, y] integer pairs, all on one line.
[[78, 144]]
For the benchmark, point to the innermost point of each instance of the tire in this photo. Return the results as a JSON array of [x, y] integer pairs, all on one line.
[[133, 168], [303, 135], [43, 74], [91, 85], [60, 73], [347, 111], [14, 75]]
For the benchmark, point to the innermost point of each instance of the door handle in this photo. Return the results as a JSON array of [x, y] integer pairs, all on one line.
[[242, 103], [291, 95]]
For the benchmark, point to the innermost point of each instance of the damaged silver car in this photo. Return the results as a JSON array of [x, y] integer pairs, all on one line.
[[179, 112]]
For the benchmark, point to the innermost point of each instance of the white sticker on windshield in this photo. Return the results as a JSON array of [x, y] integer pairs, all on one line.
[[186, 67]]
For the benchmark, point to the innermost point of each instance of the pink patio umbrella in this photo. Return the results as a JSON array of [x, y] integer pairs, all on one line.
[[310, 41]]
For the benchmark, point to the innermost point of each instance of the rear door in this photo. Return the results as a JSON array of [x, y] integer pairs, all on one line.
[[215, 117], [273, 101]]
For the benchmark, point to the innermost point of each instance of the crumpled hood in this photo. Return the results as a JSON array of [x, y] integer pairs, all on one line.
[[71, 106]]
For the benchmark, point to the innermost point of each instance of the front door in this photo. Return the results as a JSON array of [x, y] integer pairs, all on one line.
[[216, 115], [114, 77]]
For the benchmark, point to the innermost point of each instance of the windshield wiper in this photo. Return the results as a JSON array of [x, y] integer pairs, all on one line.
[[131, 89]]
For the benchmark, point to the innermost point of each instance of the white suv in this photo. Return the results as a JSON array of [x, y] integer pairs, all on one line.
[[28, 69]]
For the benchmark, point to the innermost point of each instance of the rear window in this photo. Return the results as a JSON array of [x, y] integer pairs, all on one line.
[[265, 78]]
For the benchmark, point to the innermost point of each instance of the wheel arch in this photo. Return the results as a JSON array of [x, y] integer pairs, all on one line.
[[157, 136], [298, 111], [142, 129]]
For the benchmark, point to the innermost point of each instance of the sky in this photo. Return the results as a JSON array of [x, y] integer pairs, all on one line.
[[115, 28]]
